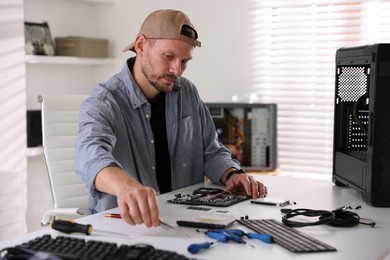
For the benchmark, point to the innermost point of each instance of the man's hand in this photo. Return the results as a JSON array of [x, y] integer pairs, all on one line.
[[137, 203], [246, 183]]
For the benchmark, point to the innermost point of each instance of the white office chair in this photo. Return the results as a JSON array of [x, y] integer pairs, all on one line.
[[60, 116]]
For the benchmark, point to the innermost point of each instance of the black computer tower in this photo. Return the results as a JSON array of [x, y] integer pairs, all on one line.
[[361, 148]]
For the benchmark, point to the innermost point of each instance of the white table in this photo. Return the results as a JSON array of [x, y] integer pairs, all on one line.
[[359, 242]]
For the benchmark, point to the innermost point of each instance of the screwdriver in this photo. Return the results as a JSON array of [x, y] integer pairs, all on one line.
[[262, 237], [223, 234], [68, 227], [220, 237], [195, 248], [237, 234]]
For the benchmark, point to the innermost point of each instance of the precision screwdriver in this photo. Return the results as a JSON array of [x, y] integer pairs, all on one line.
[[237, 234], [195, 248], [68, 227], [220, 237], [262, 237]]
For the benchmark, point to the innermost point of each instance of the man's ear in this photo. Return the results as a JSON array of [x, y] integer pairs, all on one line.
[[139, 43]]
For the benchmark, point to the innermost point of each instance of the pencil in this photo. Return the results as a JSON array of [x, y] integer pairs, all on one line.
[[112, 215]]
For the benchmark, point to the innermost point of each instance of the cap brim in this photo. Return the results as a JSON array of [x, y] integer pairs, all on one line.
[[129, 48]]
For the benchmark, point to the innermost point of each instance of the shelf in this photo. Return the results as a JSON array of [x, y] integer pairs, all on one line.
[[66, 60]]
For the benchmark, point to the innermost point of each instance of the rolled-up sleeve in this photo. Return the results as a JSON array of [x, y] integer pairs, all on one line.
[[95, 142]]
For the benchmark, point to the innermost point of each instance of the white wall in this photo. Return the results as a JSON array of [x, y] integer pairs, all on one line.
[[219, 68], [13, 162]]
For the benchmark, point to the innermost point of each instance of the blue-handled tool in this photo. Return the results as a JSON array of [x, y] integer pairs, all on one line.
[[226, 234], [195, 248], [219, 236], [237, 234], [262, 237], [233, 236]]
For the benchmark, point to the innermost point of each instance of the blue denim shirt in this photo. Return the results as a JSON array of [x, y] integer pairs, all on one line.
[[115, 129]]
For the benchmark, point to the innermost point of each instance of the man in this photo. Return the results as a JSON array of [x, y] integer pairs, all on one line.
[[146, 130]]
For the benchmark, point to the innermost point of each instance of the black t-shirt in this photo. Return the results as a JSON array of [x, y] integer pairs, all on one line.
[[163, 162]]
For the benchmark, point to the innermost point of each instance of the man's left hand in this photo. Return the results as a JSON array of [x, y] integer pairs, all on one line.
[[248, 184]]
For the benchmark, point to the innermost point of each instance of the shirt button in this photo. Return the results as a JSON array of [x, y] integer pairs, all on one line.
[[153, 168], [152, 141], [147, 116]]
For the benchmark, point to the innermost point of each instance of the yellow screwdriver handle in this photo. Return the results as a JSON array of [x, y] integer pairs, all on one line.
[[68, 226]]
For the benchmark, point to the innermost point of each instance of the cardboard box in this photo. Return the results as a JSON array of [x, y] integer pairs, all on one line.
[[81, 47]]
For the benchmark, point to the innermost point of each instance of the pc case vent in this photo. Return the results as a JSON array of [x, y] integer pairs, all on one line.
[[352, 82], [357, 138]]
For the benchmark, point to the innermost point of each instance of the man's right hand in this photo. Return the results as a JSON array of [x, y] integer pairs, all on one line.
[[137, 203]]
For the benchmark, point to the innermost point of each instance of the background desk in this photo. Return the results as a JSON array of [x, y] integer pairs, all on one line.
[[359, 242]]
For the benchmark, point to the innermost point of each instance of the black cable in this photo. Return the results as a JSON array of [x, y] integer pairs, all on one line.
[[324, 217], [344, 218], [339, 217]]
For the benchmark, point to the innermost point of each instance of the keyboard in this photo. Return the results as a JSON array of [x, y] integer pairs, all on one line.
[[63, 247], [285, 236]]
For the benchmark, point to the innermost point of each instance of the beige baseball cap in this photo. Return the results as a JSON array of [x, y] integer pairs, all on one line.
[[166, 24]]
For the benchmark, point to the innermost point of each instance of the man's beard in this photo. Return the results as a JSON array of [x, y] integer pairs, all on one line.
[[147, 70], [153, 79]]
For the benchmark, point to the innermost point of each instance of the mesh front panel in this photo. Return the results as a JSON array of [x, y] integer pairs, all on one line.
[[353, 83]]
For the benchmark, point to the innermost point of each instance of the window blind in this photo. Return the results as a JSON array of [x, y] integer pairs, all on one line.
[[292, 61], [13, 147]]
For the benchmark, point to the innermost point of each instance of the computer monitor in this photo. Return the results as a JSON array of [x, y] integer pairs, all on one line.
[[249, 131], [361, 148]]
